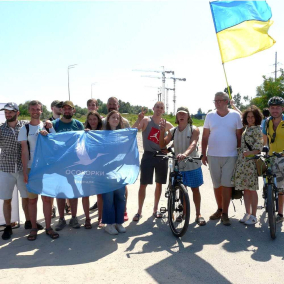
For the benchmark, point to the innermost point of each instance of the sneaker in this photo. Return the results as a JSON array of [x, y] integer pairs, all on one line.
[[60, 225], [125, 218], [28, 225], [94, 207], [217, 215], [53, 212], [7, 233], [251, 221], [111, 229], [245, 218], [74, 223], [225, 220], [279, 218], [120, 228]]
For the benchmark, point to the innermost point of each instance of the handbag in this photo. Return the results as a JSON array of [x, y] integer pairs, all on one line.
[[261, 167]]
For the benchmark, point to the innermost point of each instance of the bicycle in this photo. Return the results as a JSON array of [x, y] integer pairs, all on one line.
[[270, 191], [177, 194]]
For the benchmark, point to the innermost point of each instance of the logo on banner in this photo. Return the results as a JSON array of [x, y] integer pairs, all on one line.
[[154, 135]]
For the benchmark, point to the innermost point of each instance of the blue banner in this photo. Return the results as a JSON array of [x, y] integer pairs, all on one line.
[[78, 163]]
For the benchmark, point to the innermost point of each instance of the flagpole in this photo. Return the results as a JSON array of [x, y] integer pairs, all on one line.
[[228, 88]]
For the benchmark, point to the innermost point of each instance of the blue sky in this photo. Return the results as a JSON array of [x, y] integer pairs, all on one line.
[[108, 39]]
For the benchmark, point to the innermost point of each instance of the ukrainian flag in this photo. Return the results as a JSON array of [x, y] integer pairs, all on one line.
[[241, 27]]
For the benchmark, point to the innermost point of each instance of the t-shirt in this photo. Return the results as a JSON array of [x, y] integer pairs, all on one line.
[[74, 125], [222, 138], [181, 144], [278, 144], [32, 138]]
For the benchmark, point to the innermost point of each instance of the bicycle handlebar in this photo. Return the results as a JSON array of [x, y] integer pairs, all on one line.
[[173, 157], [274, 154]]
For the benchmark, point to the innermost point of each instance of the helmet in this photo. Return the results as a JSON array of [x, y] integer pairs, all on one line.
[[276, 101]]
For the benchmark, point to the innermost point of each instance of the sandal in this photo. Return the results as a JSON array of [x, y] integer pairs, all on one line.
[[32, 237], [137, 217], [88, 224], [158, 214], [101, 225], [200, 221], [51, 233]]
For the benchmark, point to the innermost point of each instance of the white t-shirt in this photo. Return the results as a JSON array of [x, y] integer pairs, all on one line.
[[33, 134], [222, 139]]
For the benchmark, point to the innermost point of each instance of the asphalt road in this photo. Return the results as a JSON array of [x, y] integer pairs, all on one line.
[[148, 252]]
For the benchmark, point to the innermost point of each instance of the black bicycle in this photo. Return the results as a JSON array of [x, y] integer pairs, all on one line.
[[177, 194], [270, 191]]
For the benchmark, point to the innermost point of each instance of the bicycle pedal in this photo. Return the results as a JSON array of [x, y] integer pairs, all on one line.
[[163, 210], [167, 194]]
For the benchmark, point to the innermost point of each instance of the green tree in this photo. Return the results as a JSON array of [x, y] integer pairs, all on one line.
[[268, 89]]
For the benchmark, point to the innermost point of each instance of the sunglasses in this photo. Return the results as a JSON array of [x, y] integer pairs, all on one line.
[[273, 137]]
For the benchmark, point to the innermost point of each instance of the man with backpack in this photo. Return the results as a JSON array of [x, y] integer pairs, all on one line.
[[63, 124], [273, 135], [28, 137], [150, 134]]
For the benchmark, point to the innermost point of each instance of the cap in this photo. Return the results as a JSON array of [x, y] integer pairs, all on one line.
[[11, 106], [68, 103], [55, 103], [183, 109]]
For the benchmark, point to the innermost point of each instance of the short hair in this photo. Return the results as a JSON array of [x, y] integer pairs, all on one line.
[[100, 123], [120, 124], [159, 102], [92, 100], [112, 98], [34, 103], [265, 112], [256, 113], [224, 95]]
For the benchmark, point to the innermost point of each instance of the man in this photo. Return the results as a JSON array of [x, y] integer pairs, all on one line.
[[222, 134], [28, 137], [11, 168], [273, 135], [150, 134], [67, 123], [56, 112], [92, 105], [113, 104]]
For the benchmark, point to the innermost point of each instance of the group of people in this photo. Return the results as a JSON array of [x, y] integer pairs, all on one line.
[[229, 137]]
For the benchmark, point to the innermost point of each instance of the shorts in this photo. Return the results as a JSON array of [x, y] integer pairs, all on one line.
[[8, 183], [193, 178], [149, 163], [30, 194], [221, 170], [278, 169]]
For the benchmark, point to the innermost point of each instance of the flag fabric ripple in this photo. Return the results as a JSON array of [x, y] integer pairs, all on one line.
[[78, 163], [241, 27]]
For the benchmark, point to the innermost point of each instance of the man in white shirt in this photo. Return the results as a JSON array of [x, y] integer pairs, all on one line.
[[222, 134], [28, 137]]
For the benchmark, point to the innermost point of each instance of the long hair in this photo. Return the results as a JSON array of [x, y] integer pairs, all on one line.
[[256, 113], [100, 123], [120, 124]]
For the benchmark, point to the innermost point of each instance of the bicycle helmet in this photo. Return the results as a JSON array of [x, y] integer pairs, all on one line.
[[276, 101]]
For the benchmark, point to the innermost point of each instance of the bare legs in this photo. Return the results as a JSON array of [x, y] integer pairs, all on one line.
[[223, 196]]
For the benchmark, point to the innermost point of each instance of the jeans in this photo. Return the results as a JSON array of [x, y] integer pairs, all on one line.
[[113, 206]]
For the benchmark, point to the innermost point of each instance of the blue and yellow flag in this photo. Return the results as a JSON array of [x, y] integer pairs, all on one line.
[[241, 27]]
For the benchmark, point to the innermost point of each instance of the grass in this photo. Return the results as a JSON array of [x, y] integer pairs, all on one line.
[[133, 117]]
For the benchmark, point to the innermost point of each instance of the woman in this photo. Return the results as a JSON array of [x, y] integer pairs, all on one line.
[[114, 201], [245, 174], [93, 122], [185, 137]]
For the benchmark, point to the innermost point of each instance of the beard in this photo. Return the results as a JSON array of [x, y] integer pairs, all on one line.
[[67, 116], [14, 118]]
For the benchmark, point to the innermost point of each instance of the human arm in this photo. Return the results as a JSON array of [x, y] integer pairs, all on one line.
[[265, 140], [204, 144], [164, 141], [25, 159], [139, 123], [232, 103], [239, 137], [256, 136]]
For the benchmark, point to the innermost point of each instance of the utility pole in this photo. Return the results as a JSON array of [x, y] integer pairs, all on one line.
[[167, 99], [69, 67], [174, 89]]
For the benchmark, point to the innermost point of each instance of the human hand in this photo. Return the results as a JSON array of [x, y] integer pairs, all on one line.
[[141, 114], [48, 124], [204, 160], [87, 129], [26, 178], [247, 153], [162, 124], [43, 132], [181, 157]]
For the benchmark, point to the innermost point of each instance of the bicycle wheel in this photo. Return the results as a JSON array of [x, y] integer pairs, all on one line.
[[271, 211], [178, 210]]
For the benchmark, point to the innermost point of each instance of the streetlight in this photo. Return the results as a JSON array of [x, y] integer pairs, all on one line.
[[69, 67], [92, 89]]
